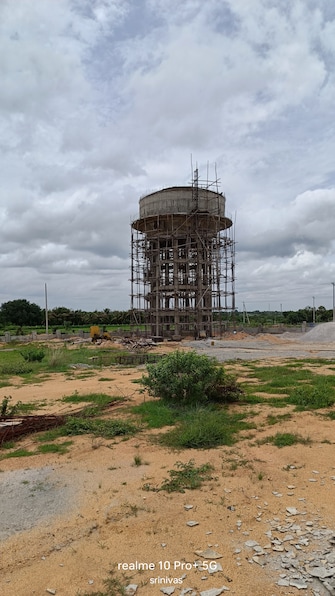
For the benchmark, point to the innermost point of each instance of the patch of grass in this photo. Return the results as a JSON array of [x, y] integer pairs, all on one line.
[[86, 375], [55, 447], [300, 386], [275, 378], [50, 435], [275, 419], [330, 415], [8, 445], [16, 369], [107, 429], [138, 461], [156, 414], [205, 428], [286, 440], [313, 397], [102, 379], [18, 453], [251, 398], [187, 477], [98, 427]]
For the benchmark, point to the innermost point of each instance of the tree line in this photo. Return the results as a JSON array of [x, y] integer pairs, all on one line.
[[22, 313]]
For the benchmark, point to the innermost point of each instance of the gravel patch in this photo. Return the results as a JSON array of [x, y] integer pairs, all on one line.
[[29, 497], [319, 342]]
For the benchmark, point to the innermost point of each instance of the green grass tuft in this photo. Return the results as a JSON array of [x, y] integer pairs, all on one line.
[[156, 414], [55, 447], [187, 476], [18, 453], [205, 428], [286, 440]]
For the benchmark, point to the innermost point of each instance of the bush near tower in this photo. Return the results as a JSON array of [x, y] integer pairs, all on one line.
[[188, 378]]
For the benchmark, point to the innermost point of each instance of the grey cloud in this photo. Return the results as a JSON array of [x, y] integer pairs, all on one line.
[[105, 100]]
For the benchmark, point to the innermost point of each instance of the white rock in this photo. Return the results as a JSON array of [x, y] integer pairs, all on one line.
[[167, 591], [296, 583], [251, 543], [214, 591], [214, 567], [292, 510], [283, 582], [131, 589], [208, 554], [192, 523]]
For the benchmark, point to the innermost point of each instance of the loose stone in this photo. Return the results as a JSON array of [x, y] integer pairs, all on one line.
[[192, 523], [296, 583]]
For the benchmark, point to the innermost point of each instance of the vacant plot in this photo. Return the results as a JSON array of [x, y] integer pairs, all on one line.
[[139, 490]]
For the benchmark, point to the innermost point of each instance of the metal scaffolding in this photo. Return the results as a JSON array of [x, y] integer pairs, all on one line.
[[182, 262]]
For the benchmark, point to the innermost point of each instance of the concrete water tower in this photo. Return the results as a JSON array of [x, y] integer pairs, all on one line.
[[182, 261]]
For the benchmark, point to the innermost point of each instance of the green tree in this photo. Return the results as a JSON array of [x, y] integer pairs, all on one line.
[[60, 316], [21, 312]]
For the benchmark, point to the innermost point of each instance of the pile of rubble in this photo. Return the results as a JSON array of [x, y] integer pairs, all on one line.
[[135, 345], [302, 554]]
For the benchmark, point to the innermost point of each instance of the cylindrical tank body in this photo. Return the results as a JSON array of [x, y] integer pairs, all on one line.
[[178, 257]]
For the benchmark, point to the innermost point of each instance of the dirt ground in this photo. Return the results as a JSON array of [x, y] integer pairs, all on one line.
[[67, 519]]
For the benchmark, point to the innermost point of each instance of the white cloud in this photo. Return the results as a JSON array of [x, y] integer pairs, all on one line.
[[104, 100]]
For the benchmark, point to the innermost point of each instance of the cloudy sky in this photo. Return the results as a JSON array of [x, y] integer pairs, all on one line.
[[102, 101]]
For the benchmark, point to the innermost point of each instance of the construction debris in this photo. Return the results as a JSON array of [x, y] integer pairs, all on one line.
[[13, 427]]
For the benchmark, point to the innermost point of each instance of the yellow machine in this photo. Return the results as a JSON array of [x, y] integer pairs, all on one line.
[[96, 334]]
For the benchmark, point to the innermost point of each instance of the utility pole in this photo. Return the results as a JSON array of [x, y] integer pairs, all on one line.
[[46, 310], [333, 284]]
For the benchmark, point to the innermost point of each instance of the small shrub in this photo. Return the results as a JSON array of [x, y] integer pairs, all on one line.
[[187, 378], [187, 476], [6, 410], [33, 354]]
